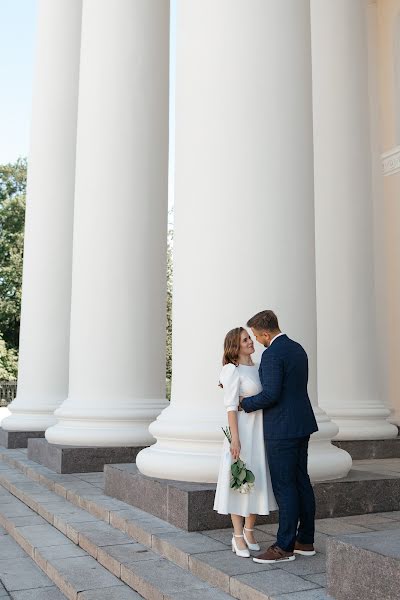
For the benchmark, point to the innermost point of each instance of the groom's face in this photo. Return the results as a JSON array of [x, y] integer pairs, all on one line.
[[262, 337]]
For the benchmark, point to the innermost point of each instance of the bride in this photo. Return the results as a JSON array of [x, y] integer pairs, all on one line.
[[239, 377]]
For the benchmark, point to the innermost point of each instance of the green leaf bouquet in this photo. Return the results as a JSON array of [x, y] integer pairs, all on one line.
[[242, 479]]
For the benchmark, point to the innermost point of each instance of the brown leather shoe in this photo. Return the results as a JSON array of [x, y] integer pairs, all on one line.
[[274, 554], [304, 549]]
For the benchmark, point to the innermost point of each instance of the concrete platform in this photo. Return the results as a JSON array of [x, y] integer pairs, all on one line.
[[78, 459], [370, 449], [17, 439], [364, 565], [371, 486]]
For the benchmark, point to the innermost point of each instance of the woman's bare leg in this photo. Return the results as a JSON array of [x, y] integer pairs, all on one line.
[[249, 523], [237, 522]]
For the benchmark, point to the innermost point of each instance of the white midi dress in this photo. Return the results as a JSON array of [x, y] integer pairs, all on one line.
[[243, 380]]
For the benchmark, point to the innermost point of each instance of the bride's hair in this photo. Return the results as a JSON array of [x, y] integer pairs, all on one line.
[[232, 346]]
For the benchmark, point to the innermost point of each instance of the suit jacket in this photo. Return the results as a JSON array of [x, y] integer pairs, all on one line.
[[284, 398]]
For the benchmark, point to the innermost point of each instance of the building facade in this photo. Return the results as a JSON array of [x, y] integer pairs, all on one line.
[[287, 189]]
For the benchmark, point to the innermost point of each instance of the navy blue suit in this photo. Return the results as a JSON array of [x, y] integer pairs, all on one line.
[[288, 423]]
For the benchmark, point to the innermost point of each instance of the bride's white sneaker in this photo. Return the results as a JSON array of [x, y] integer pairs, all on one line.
[[242, 553], [250, 546]]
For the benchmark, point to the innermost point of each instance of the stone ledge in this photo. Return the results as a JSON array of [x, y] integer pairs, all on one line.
[[370, 449], [78, 459], [189, 506], [364, 565], [17, 439]]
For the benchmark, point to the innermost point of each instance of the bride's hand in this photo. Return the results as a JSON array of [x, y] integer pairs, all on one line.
[[235, 449]]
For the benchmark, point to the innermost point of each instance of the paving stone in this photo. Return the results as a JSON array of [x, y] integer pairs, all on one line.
[[385, 526], [43, 555], [40, 536], [159, 583], [3, 531], [49, 593], [394, 514], [144, 529], [258, 585], [73, 575], [31, 520], [177, 547], [318, 594], [111, 557], [318, 578], [94, 535], [217, 568], [15, 509], [10, 549], [320, 541], [112, 593], [211, 594], [338, 527], [304, 565], [22, 574], [365, 520]]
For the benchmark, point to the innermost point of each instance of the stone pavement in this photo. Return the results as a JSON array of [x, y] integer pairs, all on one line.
[[94, 547]]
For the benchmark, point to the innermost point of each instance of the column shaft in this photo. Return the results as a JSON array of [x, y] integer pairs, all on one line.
[[348, 381], [244, 217], [46, 287], [117, 350]]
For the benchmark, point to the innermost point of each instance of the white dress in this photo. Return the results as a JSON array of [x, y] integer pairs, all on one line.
[[243, 380]]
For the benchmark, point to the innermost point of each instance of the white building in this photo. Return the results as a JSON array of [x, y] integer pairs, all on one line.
[[287, 189]]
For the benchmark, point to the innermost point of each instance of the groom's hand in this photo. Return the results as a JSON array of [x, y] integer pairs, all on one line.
[[240, 402]]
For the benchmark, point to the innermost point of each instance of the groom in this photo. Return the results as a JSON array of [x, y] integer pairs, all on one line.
[[288, 423]]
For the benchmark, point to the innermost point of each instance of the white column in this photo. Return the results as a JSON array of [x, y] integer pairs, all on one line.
[[244, 217], [46, 287], [117, 351], [348, 381]]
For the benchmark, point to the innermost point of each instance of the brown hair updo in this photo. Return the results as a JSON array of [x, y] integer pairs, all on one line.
[[232, 346]]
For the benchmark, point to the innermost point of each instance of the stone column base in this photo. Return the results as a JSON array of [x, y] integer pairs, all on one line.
[[190, 505], [17, 439], [78, 459], [369, 449]]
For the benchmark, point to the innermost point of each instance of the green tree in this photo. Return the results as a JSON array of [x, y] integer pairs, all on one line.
[[12, 218], [8, 362]]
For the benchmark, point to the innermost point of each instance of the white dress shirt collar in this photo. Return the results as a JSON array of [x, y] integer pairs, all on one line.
[[273, 339]]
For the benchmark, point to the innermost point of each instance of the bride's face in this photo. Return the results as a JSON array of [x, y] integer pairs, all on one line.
[[246, 344]]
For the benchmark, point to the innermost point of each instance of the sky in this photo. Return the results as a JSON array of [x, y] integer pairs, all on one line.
[[17, 48], [17, 38]]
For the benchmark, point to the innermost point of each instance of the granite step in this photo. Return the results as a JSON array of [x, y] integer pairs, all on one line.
[[76, 574], [180, 555], [364, 565], [81, 553], [20, 577]]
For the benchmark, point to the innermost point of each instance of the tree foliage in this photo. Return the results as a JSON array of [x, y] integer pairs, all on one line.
[[12, 218]]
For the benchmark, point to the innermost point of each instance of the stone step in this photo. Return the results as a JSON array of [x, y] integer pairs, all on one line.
[[20, 577], [370, 486], [108, 550], [75, 573], [370, 449], [364, 565], [205, 556]]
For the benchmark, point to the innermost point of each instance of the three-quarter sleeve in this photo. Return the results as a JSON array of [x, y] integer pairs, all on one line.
[[230, 380]]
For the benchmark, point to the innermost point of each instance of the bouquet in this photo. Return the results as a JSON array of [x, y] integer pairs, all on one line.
[[242, 479]]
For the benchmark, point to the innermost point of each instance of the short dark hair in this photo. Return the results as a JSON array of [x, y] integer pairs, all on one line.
[[266, 320]]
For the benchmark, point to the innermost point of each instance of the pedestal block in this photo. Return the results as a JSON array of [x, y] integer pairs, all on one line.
[[18, 439], [78, 459]]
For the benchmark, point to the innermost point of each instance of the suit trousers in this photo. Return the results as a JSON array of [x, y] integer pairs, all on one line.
[[293, 491]]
